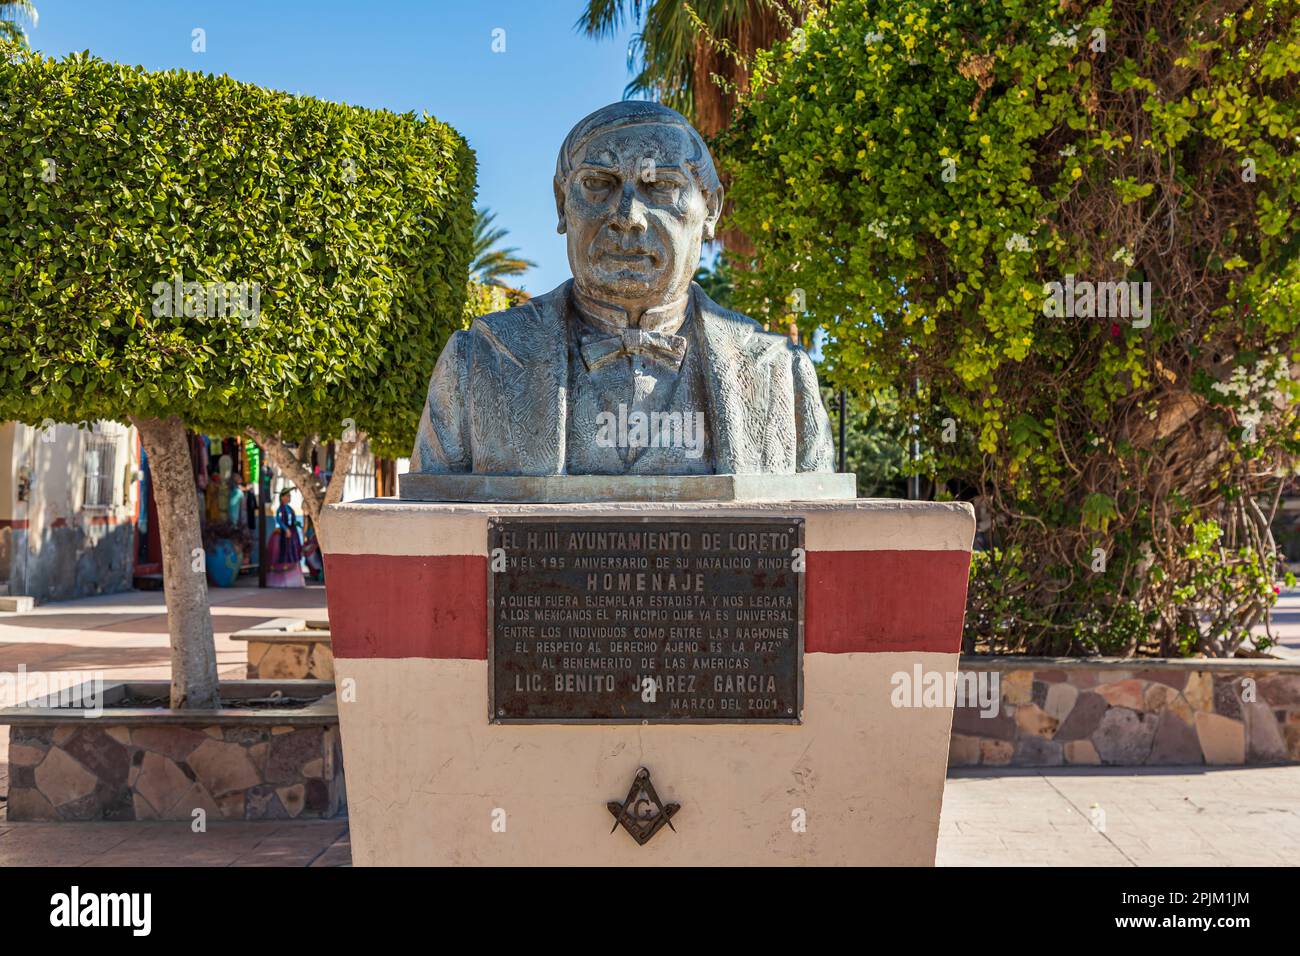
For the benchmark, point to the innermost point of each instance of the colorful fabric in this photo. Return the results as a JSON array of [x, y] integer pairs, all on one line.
[[284, 551], [286, 541]]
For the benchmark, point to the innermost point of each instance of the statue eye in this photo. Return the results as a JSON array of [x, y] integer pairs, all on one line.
[[596, 184], [664, 190]]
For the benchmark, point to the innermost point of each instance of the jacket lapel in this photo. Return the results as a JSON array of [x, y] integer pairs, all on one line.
[[522, 358], [737, 384]]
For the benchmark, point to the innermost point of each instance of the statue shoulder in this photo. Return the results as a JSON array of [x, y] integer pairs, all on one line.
[[747, 333], [509, 322]]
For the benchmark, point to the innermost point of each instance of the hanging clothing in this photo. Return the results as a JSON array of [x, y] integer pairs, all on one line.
[[312, 555], [254, 473]]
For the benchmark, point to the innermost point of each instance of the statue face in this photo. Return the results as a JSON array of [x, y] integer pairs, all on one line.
[[634, 215]]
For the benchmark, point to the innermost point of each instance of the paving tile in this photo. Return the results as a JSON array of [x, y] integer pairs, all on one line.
[[1230, 817], [339, 853]]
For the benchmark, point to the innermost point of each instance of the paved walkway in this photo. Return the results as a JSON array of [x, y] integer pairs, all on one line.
[[1284, 623], [1143, 816], [125, 635], [1237, 817], [1075, 816], [298, 843]]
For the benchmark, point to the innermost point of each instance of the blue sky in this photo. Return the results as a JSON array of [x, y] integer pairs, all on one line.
[[514, 107]]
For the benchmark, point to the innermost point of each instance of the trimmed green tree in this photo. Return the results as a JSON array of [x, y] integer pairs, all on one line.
[[185, 250], [294, 460], [1065, 237]]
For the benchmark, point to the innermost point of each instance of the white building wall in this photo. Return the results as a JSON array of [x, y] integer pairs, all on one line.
[[53, 544]]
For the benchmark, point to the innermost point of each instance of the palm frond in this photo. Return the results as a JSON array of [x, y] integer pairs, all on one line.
[[489, 264], [604, 18], [12, 13], [683, 45]]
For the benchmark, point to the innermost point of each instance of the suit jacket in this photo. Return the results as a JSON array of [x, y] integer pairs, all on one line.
[[498, 396]]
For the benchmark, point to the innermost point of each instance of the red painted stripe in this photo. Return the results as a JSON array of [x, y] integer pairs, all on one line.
[[885, 601], [436, 606], [384, 605]]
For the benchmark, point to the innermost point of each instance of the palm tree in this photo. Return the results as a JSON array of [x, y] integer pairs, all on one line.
[[694, 56], [489, 264], [683, 44], [11, 12]]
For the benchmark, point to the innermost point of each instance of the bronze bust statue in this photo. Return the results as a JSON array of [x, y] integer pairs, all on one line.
[[628, 368]]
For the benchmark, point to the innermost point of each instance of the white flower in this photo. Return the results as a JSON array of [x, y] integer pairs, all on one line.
[[1017, 243], [1255, 386]]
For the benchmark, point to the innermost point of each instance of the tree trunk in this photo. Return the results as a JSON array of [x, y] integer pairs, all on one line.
[[343, 453], [313, 494], [385, 478], [305, 448], [185, 583]]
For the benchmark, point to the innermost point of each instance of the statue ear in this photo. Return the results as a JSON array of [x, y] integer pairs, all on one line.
[[713, 203], [561, 224]]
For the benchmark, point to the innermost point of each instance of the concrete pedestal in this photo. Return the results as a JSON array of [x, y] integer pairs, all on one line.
[[431, 781], [566, 489]]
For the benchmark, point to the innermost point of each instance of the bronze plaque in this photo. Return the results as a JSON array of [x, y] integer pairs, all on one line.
[[613, 620]]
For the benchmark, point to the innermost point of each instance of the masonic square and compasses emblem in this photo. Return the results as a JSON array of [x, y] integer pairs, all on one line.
[[642, 814]]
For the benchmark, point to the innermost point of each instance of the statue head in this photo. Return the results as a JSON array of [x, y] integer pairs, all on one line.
[[637, 194]]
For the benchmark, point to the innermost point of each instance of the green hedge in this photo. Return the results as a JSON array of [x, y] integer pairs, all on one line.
[[924, 179], [354, 224]]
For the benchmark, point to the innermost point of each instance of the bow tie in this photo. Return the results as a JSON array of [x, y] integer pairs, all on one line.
[[660, 347]]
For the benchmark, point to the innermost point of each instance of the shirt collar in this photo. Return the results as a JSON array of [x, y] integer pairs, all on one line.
[[605, 317]]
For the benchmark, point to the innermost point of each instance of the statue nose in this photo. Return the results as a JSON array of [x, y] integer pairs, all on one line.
[[630, 213]]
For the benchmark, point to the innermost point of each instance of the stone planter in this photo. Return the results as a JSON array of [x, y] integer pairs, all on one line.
[[288, 649], [1130, 712], [154, 763]]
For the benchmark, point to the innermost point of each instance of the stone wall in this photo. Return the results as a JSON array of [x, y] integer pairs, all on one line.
[[69, 561], [288, 648], [155, 771], [55, 543], [1125, 712]]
